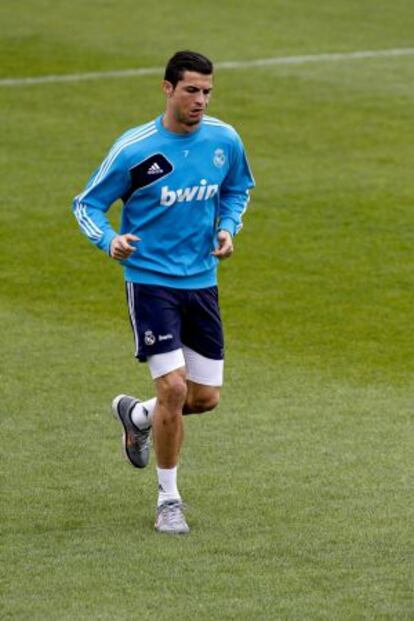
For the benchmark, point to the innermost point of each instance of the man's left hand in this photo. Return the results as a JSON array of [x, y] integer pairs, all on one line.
[[225, 247]]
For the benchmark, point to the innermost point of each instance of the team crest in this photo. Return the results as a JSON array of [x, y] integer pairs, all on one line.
[[149, 338], [219, 158]]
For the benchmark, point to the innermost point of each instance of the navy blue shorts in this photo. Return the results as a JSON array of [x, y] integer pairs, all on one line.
[[164, 319]]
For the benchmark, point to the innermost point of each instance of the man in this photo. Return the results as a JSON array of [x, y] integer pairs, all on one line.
[[184, 181]]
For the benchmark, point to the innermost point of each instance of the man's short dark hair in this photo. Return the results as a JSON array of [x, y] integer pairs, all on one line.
[[186, 61]]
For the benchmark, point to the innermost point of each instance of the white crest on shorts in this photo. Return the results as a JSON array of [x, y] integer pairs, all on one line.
[[219, 158], [149, 338]]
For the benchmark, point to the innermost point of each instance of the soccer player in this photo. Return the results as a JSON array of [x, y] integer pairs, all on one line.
[[184, 182]]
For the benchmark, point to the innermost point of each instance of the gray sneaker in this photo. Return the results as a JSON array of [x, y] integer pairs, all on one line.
[[170, 518], [135, 441]]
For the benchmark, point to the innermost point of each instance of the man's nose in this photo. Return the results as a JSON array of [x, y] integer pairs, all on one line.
[[201, 99]]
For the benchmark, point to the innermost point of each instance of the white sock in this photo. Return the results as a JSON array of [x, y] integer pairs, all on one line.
[[167, 484], [143, 412]]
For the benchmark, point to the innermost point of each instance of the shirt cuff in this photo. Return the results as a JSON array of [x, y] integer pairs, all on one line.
[[227, 224], [105, 242]]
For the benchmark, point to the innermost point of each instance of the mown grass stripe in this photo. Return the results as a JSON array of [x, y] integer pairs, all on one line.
[[242, 64]]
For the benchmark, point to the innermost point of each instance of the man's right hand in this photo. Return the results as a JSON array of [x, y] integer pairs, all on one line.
[[120, 246]]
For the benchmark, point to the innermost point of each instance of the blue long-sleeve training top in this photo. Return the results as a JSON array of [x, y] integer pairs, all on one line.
[[177, 191]]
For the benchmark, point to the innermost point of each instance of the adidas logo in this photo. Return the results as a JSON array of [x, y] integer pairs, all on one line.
[[155, 169]]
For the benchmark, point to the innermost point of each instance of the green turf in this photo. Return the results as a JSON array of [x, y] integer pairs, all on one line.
[[299, 485]]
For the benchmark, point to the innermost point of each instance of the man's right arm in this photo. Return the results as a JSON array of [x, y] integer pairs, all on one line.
[[110, 182]]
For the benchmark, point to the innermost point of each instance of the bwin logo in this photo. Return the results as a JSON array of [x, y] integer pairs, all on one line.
[[200, 192]]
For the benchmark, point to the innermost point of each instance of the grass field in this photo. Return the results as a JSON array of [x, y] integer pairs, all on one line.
[[299, 484]]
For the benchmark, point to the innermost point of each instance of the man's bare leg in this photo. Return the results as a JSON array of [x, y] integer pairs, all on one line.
[[167, 425], [200, 398]]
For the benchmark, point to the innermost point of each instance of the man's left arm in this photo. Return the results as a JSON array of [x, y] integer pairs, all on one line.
[[234, 198]]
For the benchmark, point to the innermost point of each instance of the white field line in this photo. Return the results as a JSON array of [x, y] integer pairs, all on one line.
[[242, 64]]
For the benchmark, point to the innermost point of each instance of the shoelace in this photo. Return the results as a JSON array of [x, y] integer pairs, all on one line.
[[172, 512], [143, 434]]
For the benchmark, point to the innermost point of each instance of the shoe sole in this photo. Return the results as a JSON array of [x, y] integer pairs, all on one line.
[[172, 532], [117, 415]]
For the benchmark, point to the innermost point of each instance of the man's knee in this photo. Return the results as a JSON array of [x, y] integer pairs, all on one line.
[[202, 400], [172, 388]]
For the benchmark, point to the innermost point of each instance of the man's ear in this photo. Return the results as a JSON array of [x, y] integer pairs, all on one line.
[[167, 87]]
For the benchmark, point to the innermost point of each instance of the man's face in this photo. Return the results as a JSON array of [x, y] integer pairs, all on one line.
[[188, 101]]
